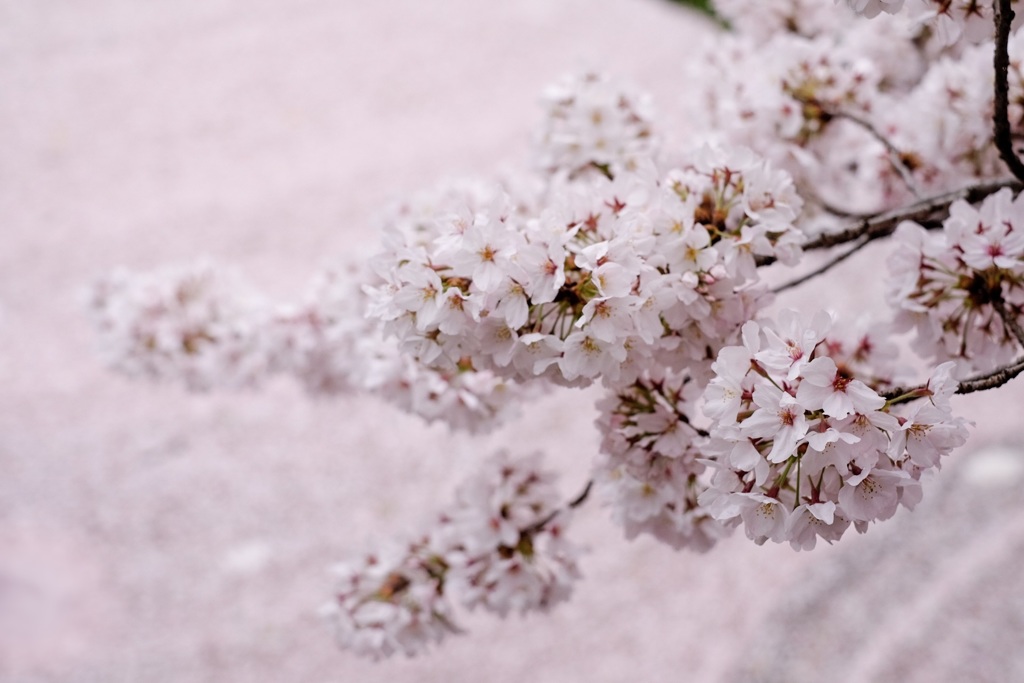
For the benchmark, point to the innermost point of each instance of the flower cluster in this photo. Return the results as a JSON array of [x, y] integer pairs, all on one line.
[[802, 448], [650, 470], [592, 124], [864, 115], [391, 601], [202, 325], [959, 288], [950, 20], [760, 21], [199, 324], [953, 144], [612, 275], [332, 348], [501, 547], [807, 102]]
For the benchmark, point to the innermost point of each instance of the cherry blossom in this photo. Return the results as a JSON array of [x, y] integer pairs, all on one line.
[[202, 325], [957, 288], [809, 453], [501, 547]]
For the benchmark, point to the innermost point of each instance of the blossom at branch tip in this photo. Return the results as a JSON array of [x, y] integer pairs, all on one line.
[[806, 454], [202, 325], [500, 547], [962, 289]]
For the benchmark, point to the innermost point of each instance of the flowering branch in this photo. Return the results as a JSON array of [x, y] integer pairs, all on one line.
[[970, 385], [487, 551], [928, 211], [1003, 139]]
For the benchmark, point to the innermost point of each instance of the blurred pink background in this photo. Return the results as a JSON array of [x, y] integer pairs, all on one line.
[[148, 534]]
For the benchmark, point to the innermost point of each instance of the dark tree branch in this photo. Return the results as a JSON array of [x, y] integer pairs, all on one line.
[[578, 500], [991, 380], [1009, 321], [928, 209], [983, 382], [931, 211], [843, 213], [1003, 137]]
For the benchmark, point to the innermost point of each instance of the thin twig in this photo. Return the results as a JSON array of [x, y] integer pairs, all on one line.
[[895, 155], [578, 500], [1009, 321], [824, 268], [810, 194], [1001, 63], [842, 213], [572, 504]]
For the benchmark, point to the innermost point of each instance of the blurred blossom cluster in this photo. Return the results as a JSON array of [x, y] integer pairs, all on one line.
[[202, 325], [622, 259], [500, 547]]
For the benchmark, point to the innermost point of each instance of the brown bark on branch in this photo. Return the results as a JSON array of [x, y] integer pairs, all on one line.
[[983, 382], [929, 209], [991, 380], [1001, 116]]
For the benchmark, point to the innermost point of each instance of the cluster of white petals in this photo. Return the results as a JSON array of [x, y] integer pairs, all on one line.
[[943, 125], [957, 287], [650, 470], [802, 448], [592, 124], [391, 601], [949, 20], [202, 325], [865, 116], [760, 21], [806, 99], [872, 8], [501, 547], [612, 275]]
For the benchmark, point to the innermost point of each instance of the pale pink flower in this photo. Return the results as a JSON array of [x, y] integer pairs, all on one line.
[[823, 387]]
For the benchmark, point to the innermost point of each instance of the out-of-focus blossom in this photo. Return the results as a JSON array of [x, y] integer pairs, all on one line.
[[501, 547]]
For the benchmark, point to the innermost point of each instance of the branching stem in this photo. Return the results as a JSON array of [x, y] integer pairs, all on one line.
[[983, 382], [895, 155], [572, 504], [926, 210], [991, 380], [1001, 62], [1011, 322]]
